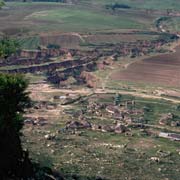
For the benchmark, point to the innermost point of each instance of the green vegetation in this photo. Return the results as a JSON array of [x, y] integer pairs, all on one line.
[[13, 101], [86, 20], [1, 4], [117, 99], [172, 24], [29, 42], [160, 20], [8, 47], [117, 6], [53, 46]]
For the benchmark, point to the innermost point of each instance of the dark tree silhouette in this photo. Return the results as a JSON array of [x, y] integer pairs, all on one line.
[[14, 162]]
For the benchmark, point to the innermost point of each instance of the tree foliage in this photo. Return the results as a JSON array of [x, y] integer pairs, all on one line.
[[14, 99], [117, 6], [53, 46], [117, 99], [8, 47], [1, 4]]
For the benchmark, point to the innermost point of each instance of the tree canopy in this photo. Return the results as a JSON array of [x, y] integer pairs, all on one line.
[[8, 47], [1, 3], [13, 100]]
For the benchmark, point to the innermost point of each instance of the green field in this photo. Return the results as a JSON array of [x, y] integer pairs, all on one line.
[[85, 16], [45, 17], [85, 20]]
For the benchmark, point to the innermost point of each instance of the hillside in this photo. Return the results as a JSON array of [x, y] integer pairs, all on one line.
[[105, 85]]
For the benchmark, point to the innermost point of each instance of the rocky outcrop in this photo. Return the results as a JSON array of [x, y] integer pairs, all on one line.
[[90, 79]]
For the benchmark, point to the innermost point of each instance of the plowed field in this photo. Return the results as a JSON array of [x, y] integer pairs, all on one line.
[[160, 70]]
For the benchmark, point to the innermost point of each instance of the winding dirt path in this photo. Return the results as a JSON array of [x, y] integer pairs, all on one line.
[[44, 87]]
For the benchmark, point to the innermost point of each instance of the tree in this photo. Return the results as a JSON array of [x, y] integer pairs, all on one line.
[[117, 99], [8, 47], [1, 4], [14, 162]]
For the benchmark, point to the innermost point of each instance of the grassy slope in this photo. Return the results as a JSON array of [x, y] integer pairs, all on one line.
[[89, 154], [29, 42], [144, 4], [86, 20]]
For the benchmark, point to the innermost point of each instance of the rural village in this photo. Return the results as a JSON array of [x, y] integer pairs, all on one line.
[[105, 102]]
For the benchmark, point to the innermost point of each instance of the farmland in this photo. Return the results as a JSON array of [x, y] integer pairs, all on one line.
[[163, 70], [104, 84]]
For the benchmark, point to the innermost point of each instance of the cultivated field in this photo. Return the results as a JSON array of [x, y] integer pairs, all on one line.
[[161, 70]]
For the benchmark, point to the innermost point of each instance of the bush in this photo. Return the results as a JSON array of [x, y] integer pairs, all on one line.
[[8, 47], [53, 46], [117, 6]]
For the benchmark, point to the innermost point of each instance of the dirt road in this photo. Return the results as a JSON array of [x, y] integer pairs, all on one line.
[[44, 87]]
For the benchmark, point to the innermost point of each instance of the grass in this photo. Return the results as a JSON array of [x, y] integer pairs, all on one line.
[[173, 24], [86, 16], [85, 20], [87, 154], [29, 42]]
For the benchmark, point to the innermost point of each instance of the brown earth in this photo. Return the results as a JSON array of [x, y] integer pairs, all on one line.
[[160, 70], [115, 37]]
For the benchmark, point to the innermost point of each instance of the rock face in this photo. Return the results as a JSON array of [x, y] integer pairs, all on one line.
[[41, 53]]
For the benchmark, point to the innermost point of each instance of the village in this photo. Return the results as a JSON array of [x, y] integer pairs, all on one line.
[[120, 116], [102, 81]]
